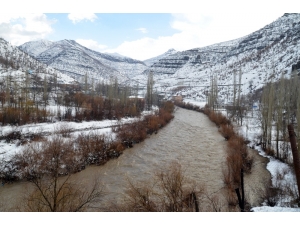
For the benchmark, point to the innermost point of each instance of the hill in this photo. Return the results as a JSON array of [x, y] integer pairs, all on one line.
[[259, 57], [73, 59]]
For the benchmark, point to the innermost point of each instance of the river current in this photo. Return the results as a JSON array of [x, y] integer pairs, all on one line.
[[190, 139]]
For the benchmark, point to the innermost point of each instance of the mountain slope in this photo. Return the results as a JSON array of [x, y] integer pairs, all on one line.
[[15, 63], [76, 60], [151, 61], [260, 56]]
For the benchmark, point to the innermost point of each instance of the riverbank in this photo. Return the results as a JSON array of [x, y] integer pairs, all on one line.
[[277, 198], [191, 140], [87, 143]]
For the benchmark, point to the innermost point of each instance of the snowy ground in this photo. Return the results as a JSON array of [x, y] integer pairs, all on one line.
[[249, 130], [7, 150], [275, 209], [194, 102]]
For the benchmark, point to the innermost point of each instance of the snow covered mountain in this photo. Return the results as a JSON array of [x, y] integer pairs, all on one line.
[[73, 59], [151, 61], [260, 56], [265, 53], [34, 48], [15, 63], [193, 57]]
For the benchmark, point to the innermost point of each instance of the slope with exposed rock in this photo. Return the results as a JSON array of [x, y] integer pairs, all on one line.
[[259, 57], [73, 59]]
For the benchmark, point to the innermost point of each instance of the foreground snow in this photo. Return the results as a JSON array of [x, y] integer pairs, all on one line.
[[274, 209]]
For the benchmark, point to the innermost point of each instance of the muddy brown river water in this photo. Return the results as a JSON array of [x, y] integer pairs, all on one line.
[[190, 139]]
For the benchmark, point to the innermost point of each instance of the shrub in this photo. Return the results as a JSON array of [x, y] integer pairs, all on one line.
[[269, 151], [169, 191], [234, 164], [64, 129], [13, 135], [237, 144], [218, 118], [168, 106], [227, 131], [165, 117], [152, 123], [94, 148], [129, 134]]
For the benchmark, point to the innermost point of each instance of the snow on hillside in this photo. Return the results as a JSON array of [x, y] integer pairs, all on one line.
[[76, 60], [36, 48], [151, 61], [260, 56], [272, 49], [24, 62], [115, 54]]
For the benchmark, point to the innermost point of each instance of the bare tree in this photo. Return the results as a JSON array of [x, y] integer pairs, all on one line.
[[170, 191], [45, 93], [54, 194], [149, 94], [49, 166], [278, 111]]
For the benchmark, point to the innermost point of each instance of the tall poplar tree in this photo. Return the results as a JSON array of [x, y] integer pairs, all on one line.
[[149, 94]]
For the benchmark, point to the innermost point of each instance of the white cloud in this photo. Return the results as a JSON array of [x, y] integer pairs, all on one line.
[[146, 48], [77, 17], [195, 30], [21, 28], [143, 30], [91, 44]]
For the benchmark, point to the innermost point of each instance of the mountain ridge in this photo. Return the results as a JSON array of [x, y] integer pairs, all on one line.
[[277, 43], [76, 60], [275, 47]]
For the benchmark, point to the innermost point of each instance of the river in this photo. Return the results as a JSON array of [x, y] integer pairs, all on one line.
[[189, 139]]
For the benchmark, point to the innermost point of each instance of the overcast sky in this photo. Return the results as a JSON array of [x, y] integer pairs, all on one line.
[[137, 29]]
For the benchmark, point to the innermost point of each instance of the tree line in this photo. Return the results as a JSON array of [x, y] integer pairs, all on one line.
[[279, 106], [27, 101]]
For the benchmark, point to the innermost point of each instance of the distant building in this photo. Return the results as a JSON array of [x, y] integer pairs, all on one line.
[[177, 98]]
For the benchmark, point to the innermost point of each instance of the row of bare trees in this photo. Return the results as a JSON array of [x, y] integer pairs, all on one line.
[[27, 102], [279, 106], [25, 96], [237, 105]]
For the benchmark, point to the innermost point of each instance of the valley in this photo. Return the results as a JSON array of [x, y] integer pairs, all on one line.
[[69, 114], [194, 144]]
